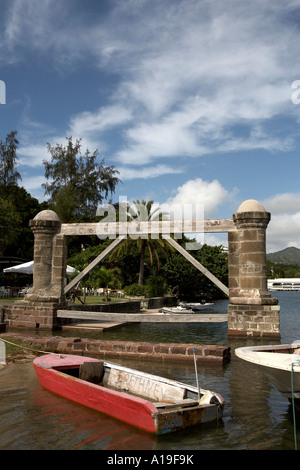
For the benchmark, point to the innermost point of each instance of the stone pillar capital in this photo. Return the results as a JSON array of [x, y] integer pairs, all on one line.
[[251, 214], [251, 219], [46, 220]]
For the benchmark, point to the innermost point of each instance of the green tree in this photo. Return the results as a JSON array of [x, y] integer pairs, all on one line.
[[9, 160], [144, 211], [107, 278], [9, 225], [77, 183], [188, 282], [17, 208]]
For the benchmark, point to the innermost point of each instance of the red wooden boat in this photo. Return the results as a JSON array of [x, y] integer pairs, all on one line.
[[146, 401]]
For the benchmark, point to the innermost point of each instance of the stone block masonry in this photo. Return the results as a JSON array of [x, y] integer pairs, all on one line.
[[26, 314], [251, 311], [256, 321], [126, 349]]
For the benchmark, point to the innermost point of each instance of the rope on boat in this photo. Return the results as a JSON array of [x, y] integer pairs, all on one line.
[[297, 362]]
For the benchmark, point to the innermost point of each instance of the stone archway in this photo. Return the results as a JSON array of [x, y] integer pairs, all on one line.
[[251, 311]]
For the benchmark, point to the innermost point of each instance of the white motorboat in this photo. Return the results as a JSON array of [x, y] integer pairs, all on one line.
[[178, 309], [199, 306], [189, 308], [280, 364]]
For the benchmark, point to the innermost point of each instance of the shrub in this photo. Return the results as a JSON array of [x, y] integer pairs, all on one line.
[[135, 290]]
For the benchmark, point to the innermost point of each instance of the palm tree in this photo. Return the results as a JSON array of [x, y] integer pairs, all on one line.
[[108, 277], [144, 211]]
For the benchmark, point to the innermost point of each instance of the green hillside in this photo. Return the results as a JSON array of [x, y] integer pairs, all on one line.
[[290, 255]]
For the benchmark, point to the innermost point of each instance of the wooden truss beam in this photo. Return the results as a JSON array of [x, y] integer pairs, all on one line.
[[94, 263]]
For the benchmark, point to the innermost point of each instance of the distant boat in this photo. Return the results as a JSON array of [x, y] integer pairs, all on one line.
[[284, 284], [189, 308], [199, 306], [149, 402], [280, 364]]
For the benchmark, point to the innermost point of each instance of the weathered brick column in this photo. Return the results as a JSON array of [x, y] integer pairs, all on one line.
[[251, 311], [45, 227], [39, 307]]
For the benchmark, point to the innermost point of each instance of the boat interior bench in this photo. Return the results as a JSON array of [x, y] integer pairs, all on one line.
[[180, 404], [92, 371], [144, 386]]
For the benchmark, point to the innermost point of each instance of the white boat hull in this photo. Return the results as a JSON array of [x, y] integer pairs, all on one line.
[[280, 364], [189, 308]]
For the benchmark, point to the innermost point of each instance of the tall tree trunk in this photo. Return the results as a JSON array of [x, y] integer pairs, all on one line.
[[142, 263]]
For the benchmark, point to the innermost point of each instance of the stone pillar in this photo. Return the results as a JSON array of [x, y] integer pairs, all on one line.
[[45, 227], [59, 266], [233, 264], [39, 307], [252, 311]]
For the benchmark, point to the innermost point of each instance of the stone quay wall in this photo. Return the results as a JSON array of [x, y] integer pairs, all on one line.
[[130, 349]]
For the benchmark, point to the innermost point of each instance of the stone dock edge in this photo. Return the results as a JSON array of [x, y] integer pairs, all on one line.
[[131, 349]]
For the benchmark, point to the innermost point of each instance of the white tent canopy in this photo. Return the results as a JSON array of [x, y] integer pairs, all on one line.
[[27, 268]]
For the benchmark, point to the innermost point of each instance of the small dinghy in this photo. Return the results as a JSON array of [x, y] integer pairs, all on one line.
[[280, 364], [149, 402]]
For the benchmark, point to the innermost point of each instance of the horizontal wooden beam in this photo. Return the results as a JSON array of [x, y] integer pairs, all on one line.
[[143, 317], [137, 229]]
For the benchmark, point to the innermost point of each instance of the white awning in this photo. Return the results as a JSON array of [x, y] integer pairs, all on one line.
[[27, 268]]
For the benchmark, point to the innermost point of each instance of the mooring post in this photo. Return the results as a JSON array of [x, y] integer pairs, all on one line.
[[251, 311]]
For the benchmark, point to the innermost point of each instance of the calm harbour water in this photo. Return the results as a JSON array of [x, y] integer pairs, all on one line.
[[256, 416]]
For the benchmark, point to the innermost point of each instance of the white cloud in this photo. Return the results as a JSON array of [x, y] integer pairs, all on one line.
[[284, 228], [147, 172], [206, 194], [32, 155], [283, 203], [283, 231], [91, 123], [186, 72], [33, 182]]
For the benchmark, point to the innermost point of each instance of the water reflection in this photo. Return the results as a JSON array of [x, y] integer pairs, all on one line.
[[256, 416], [82, 428]]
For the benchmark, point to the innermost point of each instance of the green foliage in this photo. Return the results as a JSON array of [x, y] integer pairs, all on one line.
[[135, 290], [156, 285], [188, 282], [9, 224], [146, 245], [9, 160], [77, 183], [281, 270], [17, 206]]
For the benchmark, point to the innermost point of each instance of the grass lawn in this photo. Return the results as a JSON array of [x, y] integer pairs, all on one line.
[[90, 299]]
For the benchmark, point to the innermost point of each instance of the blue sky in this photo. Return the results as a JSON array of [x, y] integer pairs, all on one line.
[[191, 100]]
